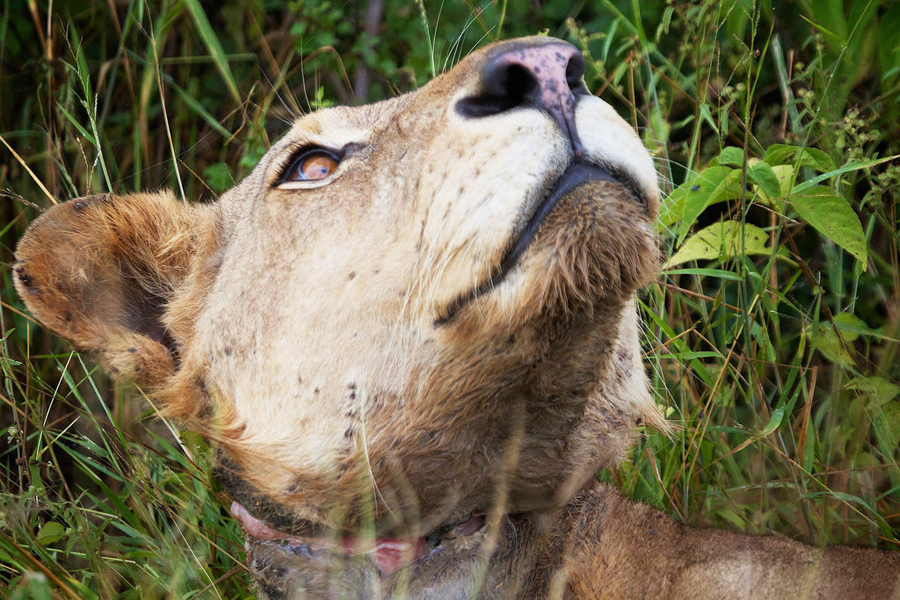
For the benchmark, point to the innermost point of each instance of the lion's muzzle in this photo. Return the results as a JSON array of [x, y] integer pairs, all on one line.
[[547, 76]]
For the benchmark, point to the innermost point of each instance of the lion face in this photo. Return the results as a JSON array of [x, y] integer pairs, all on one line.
[[411, 319]]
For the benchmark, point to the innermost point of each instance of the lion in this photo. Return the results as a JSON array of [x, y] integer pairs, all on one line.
[[412, 333]]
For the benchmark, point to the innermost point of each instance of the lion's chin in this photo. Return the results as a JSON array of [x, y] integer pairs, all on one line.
[[596, 248]]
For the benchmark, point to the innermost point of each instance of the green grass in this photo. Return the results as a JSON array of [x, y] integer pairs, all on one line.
[[772, 338]]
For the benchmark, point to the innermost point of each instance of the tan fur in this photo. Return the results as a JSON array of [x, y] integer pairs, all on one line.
[[311, 330], [99, 270], [615, 545]]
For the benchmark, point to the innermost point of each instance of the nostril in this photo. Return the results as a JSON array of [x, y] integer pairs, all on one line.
[[575, 72], [505, 85], [546, 76], [520, 83]]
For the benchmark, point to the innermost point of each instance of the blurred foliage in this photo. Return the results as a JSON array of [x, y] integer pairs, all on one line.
[[772, 334]]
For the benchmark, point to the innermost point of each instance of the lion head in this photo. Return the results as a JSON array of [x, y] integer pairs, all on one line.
[[411, 321]]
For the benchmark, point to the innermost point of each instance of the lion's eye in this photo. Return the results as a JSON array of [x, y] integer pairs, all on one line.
[[311, 166]]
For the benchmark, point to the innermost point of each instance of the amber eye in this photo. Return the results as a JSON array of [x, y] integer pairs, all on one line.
[[312, 166]]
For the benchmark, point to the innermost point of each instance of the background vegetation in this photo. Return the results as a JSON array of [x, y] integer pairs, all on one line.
[[773, 333]]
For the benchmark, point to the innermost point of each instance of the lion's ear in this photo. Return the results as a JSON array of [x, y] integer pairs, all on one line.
[[100, 271]]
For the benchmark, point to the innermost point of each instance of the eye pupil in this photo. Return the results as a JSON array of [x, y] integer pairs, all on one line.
[[314, 165]]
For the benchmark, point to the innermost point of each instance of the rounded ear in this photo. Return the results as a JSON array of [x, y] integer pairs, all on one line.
[[100, 271]]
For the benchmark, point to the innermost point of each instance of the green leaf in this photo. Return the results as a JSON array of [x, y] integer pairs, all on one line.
[[208, 35], [889, 42], [218, 177], [691, 355], [762, 175], [84, 592], [51, 532], [833, 217], [851, 166], [785, 175], [880, 389], [850, 326], [685, 204], [782, 154], [834, 39], [706, 117], [829, 16], [774, 422], [718, 273], [198, 108], [75, 123], [736, 521], [844, 497], [730, 156], [722, 240], [827, 342], [32, 586], [887, 421]]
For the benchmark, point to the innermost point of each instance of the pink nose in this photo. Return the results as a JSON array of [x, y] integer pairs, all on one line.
[[546, 75]]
